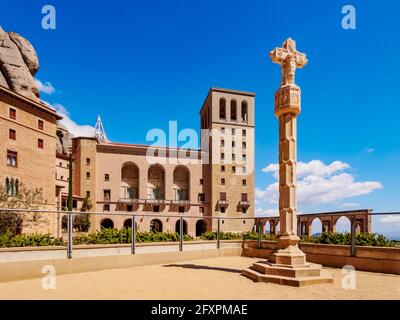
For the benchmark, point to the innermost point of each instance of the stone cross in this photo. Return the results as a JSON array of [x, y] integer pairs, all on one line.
[[290, 59], [287, 107]]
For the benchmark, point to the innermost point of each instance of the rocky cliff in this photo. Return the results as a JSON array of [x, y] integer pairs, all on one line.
[[18, 64]]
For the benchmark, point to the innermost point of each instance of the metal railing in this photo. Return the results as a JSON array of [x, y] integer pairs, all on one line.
[[258, 225]]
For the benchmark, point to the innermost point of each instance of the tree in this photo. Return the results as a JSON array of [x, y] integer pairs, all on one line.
[[25, 198], [81, 221]]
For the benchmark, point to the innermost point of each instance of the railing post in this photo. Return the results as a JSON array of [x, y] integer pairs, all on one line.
[[69, 232], [133, 248], [181, 234], [353, 237], [218, 231], [259, 235]]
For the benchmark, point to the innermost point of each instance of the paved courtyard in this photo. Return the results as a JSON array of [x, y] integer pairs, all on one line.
[[217, 278]]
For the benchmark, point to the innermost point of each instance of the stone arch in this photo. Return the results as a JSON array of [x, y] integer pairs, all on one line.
[[244, 111], [178, 224], [316, 226], [156, 182], [156, 225], [107, 223], [343, 224], [222, 108], [181, 183], [130, 181], [267, 227], [233, 110], [201, 227], [128, 223]]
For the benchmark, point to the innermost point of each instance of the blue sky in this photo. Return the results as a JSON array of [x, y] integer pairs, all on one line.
[[132, 61]]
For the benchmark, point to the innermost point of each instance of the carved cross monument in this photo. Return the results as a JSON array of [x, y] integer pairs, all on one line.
[[287, 263]]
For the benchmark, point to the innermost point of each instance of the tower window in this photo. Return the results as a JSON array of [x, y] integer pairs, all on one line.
[[244, 182], [222, 108], [87, 175], [233, 110], [40, 124], [88, 161], [40, 144], [13, 113], [106, 177], [223, 181], [222, 168], [13, 134], [244, 111]]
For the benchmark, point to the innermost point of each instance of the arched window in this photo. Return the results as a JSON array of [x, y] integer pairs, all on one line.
[[244, 111], [181, 183], [156, 225], [107, 223], [16, 186], [156, 182], [222, 108], [233, 110], [130, 181], [8, 186]]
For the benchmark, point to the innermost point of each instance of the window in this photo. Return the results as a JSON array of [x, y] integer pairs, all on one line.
[[244, 111], [222, 156], [88, 161], [201, 182], [222, 196], [222, 108], [202, 197], [12, 186], [233, 144], [222, 168], [12, 134], [107, 195], [244, 210], [87, 175], [40, 124], [222, 143], [222, 209], [129, 208], [223, 181], [12, 158], [106, 177], [13, 113], [244, 157], [233, 110], [244, 197], [244, 133], [222, 130], [244, 182], [201, 209], [181, 209], [88, 194], [233, 157], [40, 144], [156, 209], [233, 169], [244, 145], [233, 131], [106, 208]]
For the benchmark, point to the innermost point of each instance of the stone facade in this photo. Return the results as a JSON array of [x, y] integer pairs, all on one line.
[[28, 132]]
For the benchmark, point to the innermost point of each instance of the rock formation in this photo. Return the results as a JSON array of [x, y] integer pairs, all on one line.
[[18, 64]]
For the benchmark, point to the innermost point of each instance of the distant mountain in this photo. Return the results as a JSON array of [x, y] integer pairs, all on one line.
[[391, 235]]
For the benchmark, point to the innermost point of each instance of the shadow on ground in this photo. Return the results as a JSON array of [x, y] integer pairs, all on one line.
[[194, 266]]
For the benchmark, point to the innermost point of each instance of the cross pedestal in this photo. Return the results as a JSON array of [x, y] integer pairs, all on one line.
[[287, 264]]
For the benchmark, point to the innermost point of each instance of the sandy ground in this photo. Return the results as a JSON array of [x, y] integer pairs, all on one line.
[[217, 278]]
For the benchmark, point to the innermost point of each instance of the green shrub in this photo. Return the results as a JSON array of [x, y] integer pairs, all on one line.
[[362, 239], [7, 239]]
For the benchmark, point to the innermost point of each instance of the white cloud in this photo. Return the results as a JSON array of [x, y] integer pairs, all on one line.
[[75, 129], [369, 150], [45, 87], [390, 219], [319, 183], [267, 212], [349, 205]]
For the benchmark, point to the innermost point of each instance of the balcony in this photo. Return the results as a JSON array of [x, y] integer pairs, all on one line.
[[223, 203], [156, 201], [180, 202], [129, 200], [244, 203]]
